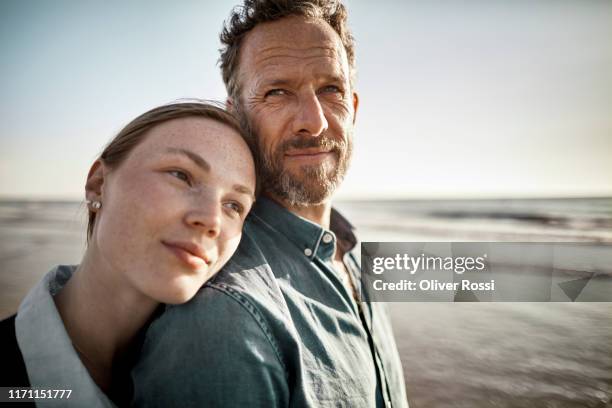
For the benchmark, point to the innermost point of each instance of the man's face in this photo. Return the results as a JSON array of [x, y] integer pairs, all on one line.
[[297, 100]]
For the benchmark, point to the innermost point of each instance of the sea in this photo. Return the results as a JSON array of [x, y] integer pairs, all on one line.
[[461, 355]]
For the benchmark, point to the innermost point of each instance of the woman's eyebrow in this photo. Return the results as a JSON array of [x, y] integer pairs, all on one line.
[[239, 188], [196, 158], [203, 164]]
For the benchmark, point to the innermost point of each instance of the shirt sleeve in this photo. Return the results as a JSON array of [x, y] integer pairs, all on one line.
[[214, 351]]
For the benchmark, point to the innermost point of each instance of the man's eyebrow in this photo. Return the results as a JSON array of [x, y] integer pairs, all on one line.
[[333, 78], [244, 190], [337, 78], [196, 158], [277, 82]]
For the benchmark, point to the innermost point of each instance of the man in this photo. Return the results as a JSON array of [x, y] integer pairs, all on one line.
[[283, 323]]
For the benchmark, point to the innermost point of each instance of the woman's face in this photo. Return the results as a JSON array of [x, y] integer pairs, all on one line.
[[172, 211]]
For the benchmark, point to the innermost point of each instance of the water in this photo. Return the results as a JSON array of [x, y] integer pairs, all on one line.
[[454, 354]]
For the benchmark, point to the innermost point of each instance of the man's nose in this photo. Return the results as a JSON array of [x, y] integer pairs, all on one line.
[[310, 118], [206, 216]]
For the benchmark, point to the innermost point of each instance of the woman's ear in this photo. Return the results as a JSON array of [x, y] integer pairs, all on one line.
[[95, 180]]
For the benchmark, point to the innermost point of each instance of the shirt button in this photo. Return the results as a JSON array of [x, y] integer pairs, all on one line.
[[308, 252], [327, 238]]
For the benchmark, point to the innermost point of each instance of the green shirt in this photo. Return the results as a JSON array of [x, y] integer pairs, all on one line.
[[274, 328]]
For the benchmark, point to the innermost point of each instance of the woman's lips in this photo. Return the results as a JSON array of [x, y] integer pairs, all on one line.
[[189, 253]]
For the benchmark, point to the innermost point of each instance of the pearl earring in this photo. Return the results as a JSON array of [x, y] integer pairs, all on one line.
[[94, 204]]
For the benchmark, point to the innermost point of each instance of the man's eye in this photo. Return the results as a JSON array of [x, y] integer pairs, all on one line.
[[235, 207], [276, 92], [181, 175], [331, 89]]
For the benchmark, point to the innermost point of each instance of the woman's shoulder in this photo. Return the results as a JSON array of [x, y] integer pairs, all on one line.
[[13, 371]]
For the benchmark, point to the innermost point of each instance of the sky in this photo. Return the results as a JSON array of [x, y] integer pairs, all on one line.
[[458, 99]]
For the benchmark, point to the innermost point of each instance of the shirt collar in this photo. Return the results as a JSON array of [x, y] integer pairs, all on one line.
[[311, 239], [49, 356]]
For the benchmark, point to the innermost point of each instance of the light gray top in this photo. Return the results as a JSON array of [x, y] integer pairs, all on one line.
[[50, 359]]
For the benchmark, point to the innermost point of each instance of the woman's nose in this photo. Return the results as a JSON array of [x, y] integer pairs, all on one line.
[[206, 217]]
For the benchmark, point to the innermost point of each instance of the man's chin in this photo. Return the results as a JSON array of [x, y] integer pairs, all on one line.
[[304, 185], [325, 170], [321, 160], [306, 191], [320, 169]]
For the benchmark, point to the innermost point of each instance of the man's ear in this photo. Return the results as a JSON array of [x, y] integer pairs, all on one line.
[[229, 104], [95, 180], [355, 106]]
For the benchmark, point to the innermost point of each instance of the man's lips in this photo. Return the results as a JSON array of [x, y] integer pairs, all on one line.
[[312, 151], [306, 153], [188, 252]]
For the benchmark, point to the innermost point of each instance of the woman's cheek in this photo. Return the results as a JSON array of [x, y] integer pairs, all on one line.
[[154, 193], [229, 244]]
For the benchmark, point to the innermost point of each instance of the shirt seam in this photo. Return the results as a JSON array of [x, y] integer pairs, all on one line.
[[254, 312]]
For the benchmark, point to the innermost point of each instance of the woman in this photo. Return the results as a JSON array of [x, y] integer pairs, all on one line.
[[167, 200]]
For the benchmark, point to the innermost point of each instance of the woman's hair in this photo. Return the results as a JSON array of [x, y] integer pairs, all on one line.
[[134, 132]]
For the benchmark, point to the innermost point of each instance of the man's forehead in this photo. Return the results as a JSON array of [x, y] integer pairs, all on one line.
[[319, 58], [292, 36]]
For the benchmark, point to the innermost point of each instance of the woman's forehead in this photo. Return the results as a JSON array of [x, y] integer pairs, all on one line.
[[200, 134], [204, 142]]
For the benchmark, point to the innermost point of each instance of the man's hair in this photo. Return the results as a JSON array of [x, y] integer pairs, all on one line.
[[244, 18], [134, 132]]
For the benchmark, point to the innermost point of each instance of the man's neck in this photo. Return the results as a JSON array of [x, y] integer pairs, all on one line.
[[319, 213]]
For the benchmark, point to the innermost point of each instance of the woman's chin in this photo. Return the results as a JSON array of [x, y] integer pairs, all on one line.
[[175, 288], [175, 293], [178, 296]]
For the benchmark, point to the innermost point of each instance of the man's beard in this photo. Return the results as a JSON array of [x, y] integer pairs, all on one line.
[[313, 184]]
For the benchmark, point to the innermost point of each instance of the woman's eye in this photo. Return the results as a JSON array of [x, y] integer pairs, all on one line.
[[235, 207], [181, 175], [276, 92]]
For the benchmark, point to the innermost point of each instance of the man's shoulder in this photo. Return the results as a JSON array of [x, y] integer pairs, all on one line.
[[248, 275], [245, 290], [204, 345]]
